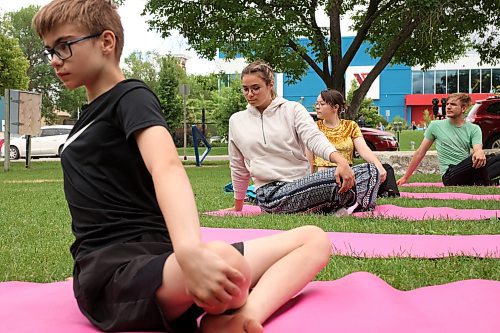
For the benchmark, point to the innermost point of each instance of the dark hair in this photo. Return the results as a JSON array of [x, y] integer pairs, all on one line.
[[333, 97], [263, 70]]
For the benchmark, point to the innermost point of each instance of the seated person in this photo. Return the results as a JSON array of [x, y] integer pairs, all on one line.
[[346, 135], [267, 142], [454, 139]]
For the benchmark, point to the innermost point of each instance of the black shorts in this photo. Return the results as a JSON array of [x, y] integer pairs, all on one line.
[[115, 286]]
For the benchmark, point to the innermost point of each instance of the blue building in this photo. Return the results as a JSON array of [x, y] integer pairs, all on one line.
[[399, 90], [388, 90]]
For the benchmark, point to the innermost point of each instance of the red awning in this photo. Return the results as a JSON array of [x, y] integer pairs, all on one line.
[[426, 99]]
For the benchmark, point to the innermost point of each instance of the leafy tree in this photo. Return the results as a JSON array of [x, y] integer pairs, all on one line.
[[13, 65], [201, 96], [171, 74], [372, 117], [407, 32], [143, 66], [71, 101], [427, 118], [17, 25], [230, 100]]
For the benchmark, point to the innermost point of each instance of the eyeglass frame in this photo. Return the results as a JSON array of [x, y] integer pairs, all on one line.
[[254, 91], [48, 54]]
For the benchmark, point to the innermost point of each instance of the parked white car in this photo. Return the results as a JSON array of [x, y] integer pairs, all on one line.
[[49, 143]]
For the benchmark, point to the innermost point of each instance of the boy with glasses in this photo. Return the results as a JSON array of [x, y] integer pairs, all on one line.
[[139, 262]]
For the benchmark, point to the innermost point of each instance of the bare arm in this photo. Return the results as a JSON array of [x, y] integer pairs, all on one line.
[[418, 156], [366, 153], [178, 206], [203, 269]]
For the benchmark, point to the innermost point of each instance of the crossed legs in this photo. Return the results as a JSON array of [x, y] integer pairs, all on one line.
[[279, 267]]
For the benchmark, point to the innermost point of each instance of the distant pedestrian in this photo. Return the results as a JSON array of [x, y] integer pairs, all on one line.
[[413, 125], [361, 121]]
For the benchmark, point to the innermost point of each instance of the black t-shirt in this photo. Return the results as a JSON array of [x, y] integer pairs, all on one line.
[[109, 190]]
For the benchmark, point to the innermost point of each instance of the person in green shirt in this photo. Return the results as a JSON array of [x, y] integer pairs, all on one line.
[[454, 139]]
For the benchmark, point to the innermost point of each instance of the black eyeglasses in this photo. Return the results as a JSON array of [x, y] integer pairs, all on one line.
[[63, 49]]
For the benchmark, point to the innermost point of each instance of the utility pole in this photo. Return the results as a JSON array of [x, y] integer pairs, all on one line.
[[184, 91]]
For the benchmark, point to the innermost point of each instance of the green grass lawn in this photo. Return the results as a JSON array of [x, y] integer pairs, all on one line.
[[36, 233], [407, 136], [222, 150]]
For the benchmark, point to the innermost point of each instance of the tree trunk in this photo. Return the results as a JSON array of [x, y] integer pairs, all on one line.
[[360, 93]]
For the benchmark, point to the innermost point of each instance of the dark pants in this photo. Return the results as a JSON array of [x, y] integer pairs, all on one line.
[[464, 174], [388, 188]]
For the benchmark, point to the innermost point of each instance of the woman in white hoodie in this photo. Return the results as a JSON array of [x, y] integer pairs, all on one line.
[[268, 141]]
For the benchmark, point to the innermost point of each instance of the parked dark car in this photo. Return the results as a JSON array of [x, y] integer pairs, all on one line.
[[375, 139], [486, 114]]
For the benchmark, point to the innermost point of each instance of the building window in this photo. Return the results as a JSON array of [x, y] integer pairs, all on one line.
[[418, 82], [452, 82], [475, 80], [486, 80], [495, 79], [429, 82], [463, 81], [440, 82]]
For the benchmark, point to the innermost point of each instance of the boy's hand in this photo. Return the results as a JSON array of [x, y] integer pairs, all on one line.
[[478, 159], [401, 181], [209, 280]]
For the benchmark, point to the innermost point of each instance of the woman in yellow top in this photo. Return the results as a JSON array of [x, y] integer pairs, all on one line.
[[345, 135]]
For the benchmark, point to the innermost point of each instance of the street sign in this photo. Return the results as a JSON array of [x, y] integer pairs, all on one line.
[[184, 89]]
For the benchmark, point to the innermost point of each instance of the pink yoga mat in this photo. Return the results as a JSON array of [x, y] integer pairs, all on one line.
[[427, 213], [421, 184], [367, 245], [450, 196], [387, 211], [359, 302]]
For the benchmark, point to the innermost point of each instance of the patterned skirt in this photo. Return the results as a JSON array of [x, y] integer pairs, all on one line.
[[319, 192]]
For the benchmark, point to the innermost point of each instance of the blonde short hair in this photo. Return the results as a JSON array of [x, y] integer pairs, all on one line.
[[94, 16], [464, 99]]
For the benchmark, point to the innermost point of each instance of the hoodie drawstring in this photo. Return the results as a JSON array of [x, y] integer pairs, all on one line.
[[262, 126]]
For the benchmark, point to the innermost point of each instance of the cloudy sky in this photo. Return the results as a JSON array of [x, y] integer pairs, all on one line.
[[137, 36]]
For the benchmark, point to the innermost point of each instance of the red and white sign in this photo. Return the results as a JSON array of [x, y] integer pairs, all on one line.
[[359, 73]]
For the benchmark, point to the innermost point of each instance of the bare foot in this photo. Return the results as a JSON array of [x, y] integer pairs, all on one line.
[[235, 323]]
